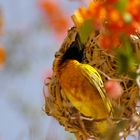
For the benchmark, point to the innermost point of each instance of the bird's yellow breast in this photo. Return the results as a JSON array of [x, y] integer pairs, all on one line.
[[81, 93]]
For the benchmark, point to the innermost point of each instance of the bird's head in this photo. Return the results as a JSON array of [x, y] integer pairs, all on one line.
[[73, 52]]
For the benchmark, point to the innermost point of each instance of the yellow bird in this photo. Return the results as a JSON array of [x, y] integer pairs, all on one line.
[[82, 84]]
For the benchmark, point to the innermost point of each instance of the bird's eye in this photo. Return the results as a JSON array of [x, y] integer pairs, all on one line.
[[57, 54]]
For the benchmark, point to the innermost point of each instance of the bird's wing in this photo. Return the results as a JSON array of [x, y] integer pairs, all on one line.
[[95, 80]]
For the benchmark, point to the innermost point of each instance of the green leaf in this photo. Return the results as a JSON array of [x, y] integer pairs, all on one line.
[[85, 30], [126, 58], [121, 5]]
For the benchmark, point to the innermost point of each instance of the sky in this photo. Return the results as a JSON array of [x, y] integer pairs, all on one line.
[[30, 46]]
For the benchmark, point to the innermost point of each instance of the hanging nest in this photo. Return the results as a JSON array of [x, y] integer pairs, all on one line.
[[126, 119]]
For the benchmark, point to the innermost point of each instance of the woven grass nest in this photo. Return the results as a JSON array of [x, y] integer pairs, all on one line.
[[125, 122]]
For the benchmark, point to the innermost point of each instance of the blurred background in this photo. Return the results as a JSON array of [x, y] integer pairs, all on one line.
[[29, 37], [27, 47]]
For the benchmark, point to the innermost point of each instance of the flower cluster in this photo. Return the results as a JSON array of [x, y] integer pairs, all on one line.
[[113, 18]]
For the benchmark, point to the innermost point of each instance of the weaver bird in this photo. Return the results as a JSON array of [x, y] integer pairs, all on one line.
[[82, 84]]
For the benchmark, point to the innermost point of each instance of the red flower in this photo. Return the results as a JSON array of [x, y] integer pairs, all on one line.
[[106, 15], [2, 55], [111, 1], [109, 41], [55, 16]]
